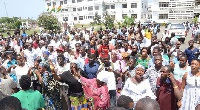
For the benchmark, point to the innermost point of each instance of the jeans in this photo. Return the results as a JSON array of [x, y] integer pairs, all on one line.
[[112, 98]]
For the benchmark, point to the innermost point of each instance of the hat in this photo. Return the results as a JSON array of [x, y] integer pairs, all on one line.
[[102, 76], [46, 52], [60, 49]]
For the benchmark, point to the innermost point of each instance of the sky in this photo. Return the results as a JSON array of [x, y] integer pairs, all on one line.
[[22, 8]]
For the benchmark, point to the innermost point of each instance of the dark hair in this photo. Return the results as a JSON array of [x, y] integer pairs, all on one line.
[[169, 68], [183, 56], [147, 104], [61, 56], [157, 48], [197, 60], [10, 103], [124, 101], [25, 82]]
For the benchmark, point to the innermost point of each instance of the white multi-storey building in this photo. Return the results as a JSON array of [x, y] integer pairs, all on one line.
[[83, 11], [172, 10]]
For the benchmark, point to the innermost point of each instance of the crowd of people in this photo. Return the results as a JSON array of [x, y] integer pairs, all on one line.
[[129, 68]]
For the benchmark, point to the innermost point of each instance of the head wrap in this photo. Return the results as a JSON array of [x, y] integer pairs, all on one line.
[[46, 52], [139, 66], [102, 76]]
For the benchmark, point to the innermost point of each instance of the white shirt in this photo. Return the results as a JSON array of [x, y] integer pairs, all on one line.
[[19, 72], [30, 56], [137, 91]]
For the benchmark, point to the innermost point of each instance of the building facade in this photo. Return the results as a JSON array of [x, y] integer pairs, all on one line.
[[83, 11], [172, 10]]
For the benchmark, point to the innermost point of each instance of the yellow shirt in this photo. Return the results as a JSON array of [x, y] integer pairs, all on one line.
[[148, 35]]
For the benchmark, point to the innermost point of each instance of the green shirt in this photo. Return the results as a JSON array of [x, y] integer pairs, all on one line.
[[143, 62], [30, 99]]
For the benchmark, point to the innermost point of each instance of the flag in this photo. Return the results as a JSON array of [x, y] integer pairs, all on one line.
[[48, 9], [59, 8], [53, 9]]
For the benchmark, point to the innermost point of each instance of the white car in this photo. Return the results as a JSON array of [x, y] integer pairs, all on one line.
[[179, 30]]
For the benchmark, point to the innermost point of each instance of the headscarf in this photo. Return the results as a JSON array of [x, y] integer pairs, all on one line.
[[102, 77], [139, 66]]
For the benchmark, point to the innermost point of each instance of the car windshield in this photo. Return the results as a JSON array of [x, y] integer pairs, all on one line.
[[177, 26]]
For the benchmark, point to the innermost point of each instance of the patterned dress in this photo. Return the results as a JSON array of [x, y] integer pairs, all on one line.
[[51, 92]]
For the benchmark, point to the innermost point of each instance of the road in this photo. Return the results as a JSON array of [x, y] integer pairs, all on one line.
[[185, 45]]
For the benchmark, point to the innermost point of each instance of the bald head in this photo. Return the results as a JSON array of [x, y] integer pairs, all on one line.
[[147, 104]]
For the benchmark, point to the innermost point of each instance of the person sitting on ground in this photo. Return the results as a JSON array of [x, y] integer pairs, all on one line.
[[30, 99], [125, 102], [147, 104], [10, 103]]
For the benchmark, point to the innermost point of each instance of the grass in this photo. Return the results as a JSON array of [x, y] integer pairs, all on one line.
[[28, 32]]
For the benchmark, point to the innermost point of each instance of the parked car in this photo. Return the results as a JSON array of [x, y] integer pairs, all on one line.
[[179, 30]]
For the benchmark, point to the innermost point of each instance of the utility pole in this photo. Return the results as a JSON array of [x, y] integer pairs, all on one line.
[[6, 9]]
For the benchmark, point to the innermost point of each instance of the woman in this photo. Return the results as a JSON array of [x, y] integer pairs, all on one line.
[[144, 58], [48, 87], [96, 92], [76, 95], [191, 87], [137, 87]]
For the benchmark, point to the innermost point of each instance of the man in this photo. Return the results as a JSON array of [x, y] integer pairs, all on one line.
[[30, 99], [173, 39], [147, 104], [10, 103], [168, 89], [191, 52], [153, 72], [125, 102], [107, 69], [91, 68], [157, 51]]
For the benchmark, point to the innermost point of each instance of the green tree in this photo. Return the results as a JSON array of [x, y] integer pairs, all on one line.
[[49, 22], [97, 19], [108, 20], [195, 20], [11, 23], [128, 21]]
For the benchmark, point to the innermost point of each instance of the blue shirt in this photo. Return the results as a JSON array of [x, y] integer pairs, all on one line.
[[91, 71], [152, 64], [190, 54]]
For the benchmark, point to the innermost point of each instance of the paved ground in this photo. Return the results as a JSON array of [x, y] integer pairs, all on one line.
[[185, 45]]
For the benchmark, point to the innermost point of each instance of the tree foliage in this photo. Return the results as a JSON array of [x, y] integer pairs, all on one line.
[[11, 23], [108, 20], [195, 20], [97, 19], [49, 22], [128, 21]]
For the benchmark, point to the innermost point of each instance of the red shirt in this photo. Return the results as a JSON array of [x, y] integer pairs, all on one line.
[[165, 96], [103, 50]]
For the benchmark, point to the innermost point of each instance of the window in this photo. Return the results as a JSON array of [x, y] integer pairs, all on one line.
[[54, 3], [124, 5], [107, 6], [74, 9], [163, 16], [75, 18], [96, 7], [133, 5], [73, 1], [48, 4], [64, 9], [123, 15], [65, 1], [163, 4], [142, 5], [65, 18], [80, 17], [79, 9], [90, 17], [113, 6], [79, 1], [90, 0], [90, 8], [61, 3], [133, 15]]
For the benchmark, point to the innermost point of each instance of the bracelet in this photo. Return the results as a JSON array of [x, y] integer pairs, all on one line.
[[175, 87]]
